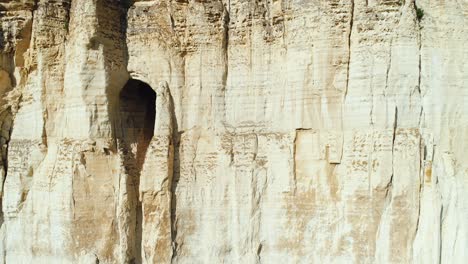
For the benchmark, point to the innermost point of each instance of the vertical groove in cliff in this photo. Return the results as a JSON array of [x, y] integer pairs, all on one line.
[[176, 137], [351, 21], [389, 66], [389, 187], [226, 21], [294, 156], [441, 232], [390, 182], [175, 180], [418, 24], [419, 39], [421, 185], [420, 123]]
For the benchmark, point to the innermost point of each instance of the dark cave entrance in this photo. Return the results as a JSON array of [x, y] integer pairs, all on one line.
[[137, 112]]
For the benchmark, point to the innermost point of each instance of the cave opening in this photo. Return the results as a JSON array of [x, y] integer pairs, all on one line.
[[137, 112]]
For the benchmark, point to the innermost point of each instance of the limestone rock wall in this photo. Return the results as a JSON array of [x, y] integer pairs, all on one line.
[[229, 131]]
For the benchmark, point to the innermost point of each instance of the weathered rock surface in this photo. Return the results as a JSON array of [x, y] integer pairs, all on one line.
[[216, 131]]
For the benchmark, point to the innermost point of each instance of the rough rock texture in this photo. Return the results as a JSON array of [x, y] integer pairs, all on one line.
[[234, 131]]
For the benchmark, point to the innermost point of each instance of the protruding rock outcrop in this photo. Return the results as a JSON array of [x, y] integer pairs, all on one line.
[[156, 184]]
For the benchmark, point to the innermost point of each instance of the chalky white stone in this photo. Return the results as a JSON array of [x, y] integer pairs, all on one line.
[[233, 131]]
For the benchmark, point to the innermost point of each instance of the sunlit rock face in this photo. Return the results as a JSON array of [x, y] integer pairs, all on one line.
[[241, 131]]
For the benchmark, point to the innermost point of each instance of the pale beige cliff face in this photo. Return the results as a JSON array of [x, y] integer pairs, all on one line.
[[233, 131]]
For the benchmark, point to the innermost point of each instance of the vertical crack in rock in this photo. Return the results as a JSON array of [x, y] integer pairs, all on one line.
[[295, 161], [419, 39], [419, 45], [369, 161], [175, 177], [259, 252], [351, 20], [390, 182], [226, 21], [389, 187], [421, 181], [372, 108], [389, 66], [35, 7], [258, 188], [175, 181], [441, 227], [420, 122]]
